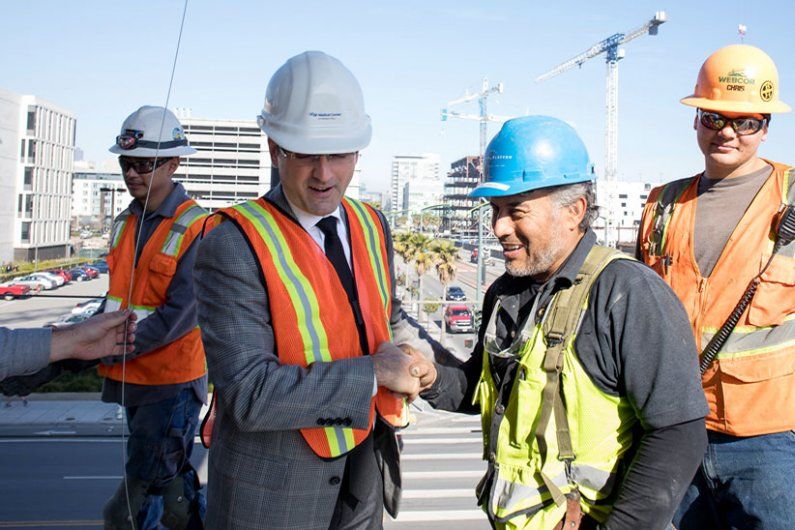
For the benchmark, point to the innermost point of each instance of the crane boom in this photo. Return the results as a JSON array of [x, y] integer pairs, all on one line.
[[603, 46]]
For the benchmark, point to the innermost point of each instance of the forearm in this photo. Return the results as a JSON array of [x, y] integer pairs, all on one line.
[[661, 470], [24, 351]]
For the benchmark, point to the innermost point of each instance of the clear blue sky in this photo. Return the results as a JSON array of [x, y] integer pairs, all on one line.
[[101, 60]]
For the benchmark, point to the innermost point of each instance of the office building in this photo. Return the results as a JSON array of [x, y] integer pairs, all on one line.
[[37, 143]]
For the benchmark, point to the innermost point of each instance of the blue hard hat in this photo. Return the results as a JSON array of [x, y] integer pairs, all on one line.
[[533, 152]]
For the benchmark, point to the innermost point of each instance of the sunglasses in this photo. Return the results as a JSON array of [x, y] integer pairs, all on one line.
[[334, 158], [742, 126], [142, 166]]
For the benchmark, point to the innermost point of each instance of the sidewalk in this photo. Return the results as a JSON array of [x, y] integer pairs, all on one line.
[[80, 414]]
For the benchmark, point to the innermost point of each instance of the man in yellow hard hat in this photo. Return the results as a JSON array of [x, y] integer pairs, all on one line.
[[723, 241]]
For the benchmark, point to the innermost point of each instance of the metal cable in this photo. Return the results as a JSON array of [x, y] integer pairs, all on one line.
[[135, 263]]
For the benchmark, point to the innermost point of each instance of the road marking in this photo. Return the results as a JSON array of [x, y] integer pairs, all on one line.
[[444, 456], [466, 419], [439, 515], [441, 430], [442, 474], [45, 524], [93, 477], [439, 494], [442, 441]]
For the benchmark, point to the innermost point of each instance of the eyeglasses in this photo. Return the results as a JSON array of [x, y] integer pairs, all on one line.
[[308, 160], [142, 166], [742, 126]]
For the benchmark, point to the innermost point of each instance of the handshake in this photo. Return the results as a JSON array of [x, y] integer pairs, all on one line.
[[403, 370]]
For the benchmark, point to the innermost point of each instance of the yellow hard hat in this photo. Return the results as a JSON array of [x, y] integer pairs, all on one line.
[[738, 78]]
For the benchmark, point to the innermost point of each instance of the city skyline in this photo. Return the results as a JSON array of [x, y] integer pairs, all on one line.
[[411, 59]]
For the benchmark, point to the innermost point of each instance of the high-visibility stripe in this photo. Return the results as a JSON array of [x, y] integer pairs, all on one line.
[[118, 228], [374, 243], [512, 496], [746, 341], [142, 311], [176, 234], [304, 300], [112, 303]]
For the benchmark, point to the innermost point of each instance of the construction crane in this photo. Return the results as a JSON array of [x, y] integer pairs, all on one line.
[[611, 47], [484, 118]]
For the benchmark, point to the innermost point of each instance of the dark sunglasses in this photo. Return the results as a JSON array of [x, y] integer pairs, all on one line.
[[742, 126], [142, 166]]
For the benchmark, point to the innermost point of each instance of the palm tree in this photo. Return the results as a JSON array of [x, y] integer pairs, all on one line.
[[445, 255], [419, 253]]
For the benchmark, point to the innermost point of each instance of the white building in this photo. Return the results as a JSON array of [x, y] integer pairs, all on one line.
[[37, 143], [628, 199], [232, 165], [97, 196], [415, 182]]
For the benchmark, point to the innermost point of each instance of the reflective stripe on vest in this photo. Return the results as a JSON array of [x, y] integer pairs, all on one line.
[[749, 340], [173, 243], [600, 424], [118, 228], [299, 278]]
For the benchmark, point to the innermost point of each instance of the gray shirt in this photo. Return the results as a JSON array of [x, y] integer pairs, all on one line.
[[24, 351], [170, 321], [720, 206]]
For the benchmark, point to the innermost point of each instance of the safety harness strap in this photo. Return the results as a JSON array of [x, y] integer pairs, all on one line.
[[559, 327], [663, 212]]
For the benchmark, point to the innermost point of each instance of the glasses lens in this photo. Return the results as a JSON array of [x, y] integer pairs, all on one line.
[[141, 166], [746, 125], [713, 120]]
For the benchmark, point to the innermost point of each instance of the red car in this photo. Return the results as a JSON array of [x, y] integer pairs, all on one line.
[[63, 274], [458, 318], [91, 271], [10, 290]]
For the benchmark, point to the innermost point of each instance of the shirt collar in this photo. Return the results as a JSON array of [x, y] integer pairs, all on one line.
[[309, 220]]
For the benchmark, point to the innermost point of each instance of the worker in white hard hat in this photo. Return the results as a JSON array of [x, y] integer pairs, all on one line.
[[724, 241], [299, 319], [163, 383]]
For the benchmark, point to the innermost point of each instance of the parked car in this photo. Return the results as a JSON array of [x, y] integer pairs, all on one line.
[[456, 293], [91, 271], [458, 319], [62, 273], [56, 279], [10, 290], [101, 266], [67, 320], [35, 284], [91, 305], [79, 275]]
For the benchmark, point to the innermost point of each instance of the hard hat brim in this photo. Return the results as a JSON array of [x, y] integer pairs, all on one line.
[[326, 141], [735, 106], [147, 152], [501, 189]]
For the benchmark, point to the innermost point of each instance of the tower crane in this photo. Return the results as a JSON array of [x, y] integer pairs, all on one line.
[[484, 118], [611, 47]]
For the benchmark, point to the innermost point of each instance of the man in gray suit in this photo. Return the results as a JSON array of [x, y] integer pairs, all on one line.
[[297, 443]]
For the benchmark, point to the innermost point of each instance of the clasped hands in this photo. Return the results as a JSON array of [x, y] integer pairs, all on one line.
[[403, 370]]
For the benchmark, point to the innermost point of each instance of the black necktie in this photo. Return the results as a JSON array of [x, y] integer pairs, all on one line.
[[333, 247]]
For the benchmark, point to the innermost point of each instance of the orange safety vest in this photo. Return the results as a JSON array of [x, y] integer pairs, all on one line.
[[313, 323], [750, 387], [179, 361]]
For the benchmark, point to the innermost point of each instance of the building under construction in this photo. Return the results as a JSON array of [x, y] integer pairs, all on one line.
[[462, 178]]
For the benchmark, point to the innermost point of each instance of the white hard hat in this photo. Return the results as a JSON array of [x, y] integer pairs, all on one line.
[[152, 132], [314, 105]]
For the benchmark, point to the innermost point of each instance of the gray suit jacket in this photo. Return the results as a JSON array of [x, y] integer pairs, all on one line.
[[262, 473]]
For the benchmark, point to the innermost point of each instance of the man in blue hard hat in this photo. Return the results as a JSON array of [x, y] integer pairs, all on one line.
[[583, 373]]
